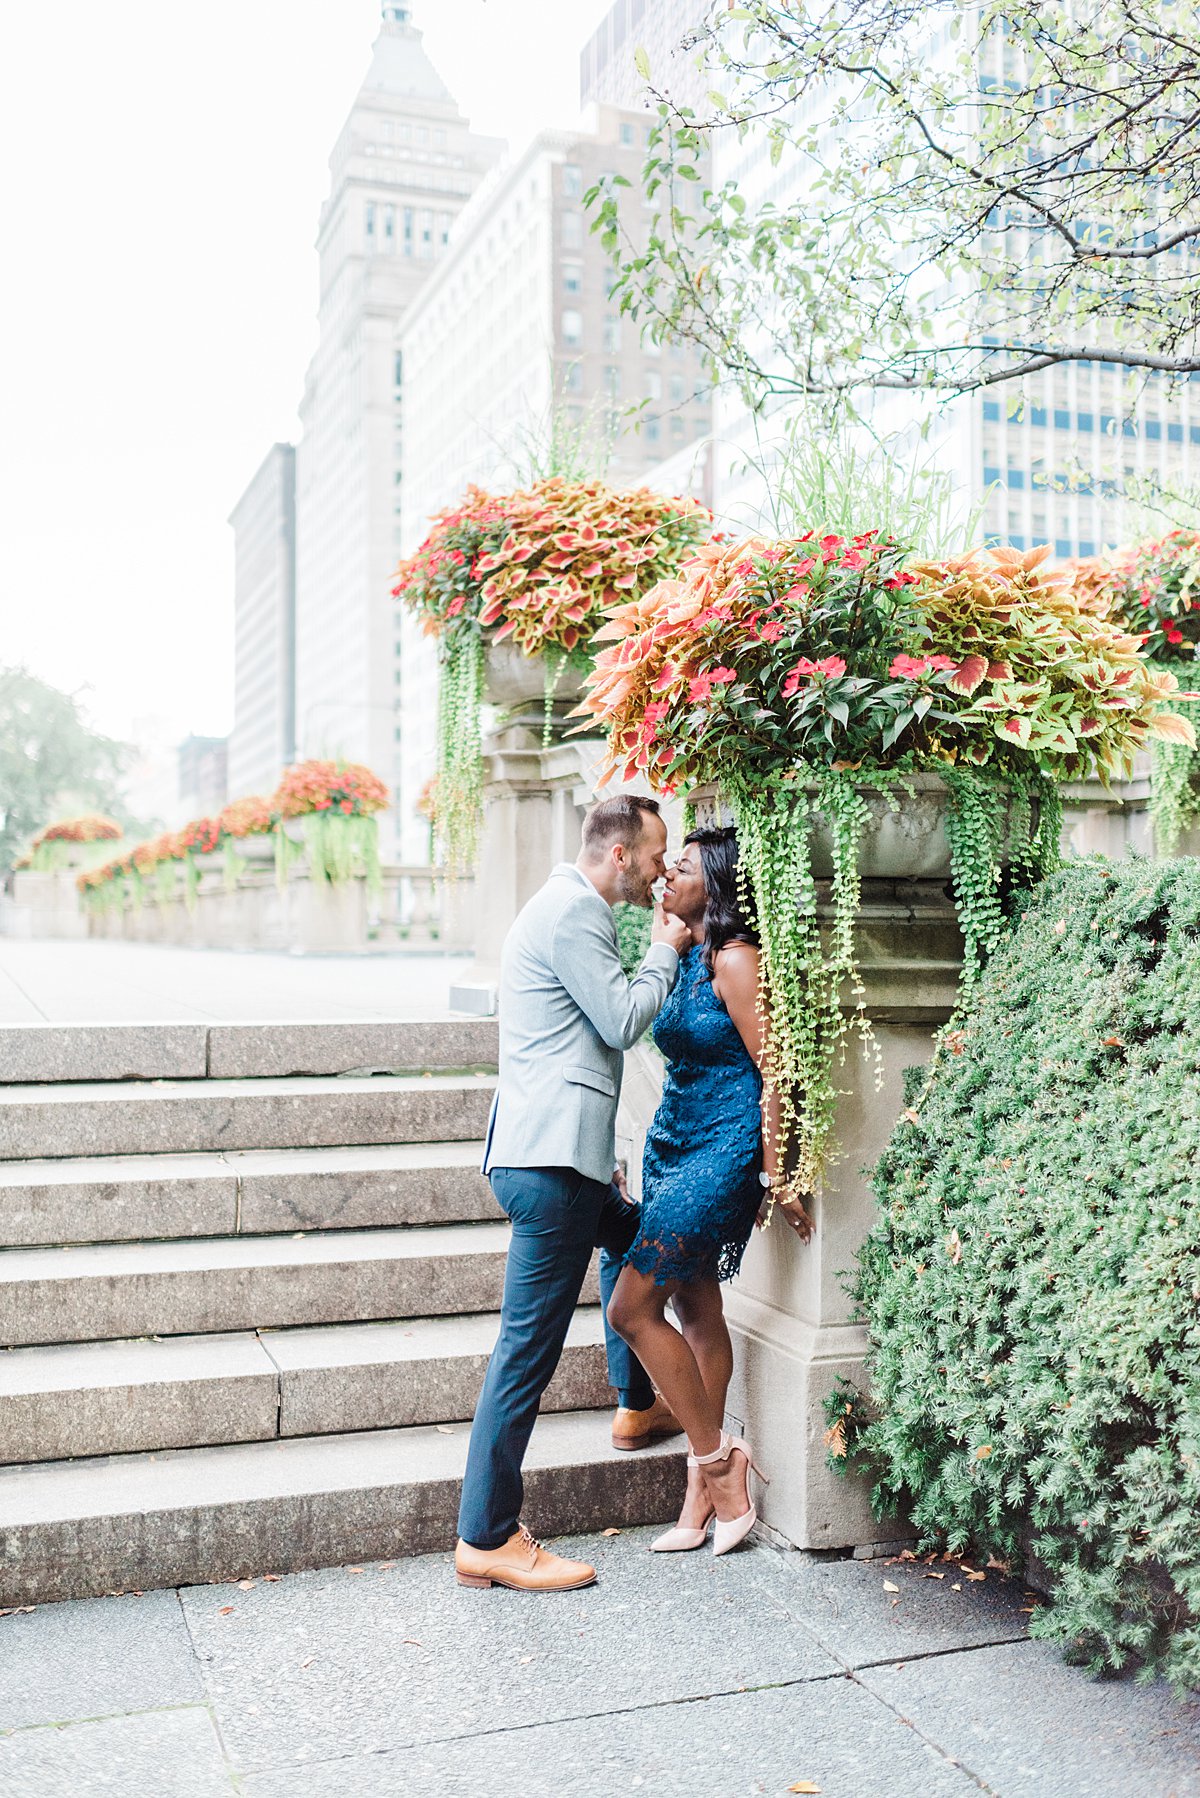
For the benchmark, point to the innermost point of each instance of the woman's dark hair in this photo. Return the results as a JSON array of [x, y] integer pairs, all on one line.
[[724, 919]]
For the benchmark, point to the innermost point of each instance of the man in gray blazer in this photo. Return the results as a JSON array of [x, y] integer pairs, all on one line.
[[567, 1013]]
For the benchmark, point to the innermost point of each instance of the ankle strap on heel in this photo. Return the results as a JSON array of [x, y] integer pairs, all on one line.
[[720, 1453]]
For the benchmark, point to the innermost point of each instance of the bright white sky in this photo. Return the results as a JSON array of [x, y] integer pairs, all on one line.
[[163, 166]]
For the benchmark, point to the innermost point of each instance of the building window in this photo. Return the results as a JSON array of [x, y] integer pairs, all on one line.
[[625, 134], [653, 384], [389, 230], [425, 235], [571, 226], [370, 224], [443, 228], [612, 381], [572, 277], [677, 428], [573, 378], [572, 180], [612, 331], [676, 390], [651, 430], [398, 374], [572, 328]]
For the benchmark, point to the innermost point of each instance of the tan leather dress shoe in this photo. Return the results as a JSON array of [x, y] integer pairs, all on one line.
[[638, 1429], [521, 1563]]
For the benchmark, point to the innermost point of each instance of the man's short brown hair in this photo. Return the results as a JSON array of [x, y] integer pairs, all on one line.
[[621, 819]]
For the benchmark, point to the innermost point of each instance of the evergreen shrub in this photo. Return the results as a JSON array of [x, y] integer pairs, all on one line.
[[1032, 1289]]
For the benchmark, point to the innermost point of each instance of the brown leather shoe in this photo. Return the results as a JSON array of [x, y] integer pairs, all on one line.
[[638, 1429], [523, 1564]]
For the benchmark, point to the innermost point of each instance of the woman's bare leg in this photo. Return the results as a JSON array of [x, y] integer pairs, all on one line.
[[637, 1311], [701, 1316]]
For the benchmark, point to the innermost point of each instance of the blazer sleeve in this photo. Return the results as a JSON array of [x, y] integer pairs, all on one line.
[[583, 953]]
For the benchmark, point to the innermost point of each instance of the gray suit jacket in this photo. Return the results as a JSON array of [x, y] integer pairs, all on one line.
[[567, 1013]]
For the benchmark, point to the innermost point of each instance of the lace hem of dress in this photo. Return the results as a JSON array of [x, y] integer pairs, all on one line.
[[682, 1258]]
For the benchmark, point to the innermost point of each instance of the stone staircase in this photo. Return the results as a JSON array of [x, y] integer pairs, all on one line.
[[249, 1277]]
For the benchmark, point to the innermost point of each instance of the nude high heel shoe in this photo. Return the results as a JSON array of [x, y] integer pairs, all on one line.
[[728, 1535], [679, 1540]]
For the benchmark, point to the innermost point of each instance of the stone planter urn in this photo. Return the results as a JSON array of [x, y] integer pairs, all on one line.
[[516, 683]]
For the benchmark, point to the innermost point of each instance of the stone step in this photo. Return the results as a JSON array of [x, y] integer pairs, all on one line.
[[183, 1116], [48, 1053], [135, 1198], [75, 1529], [111, 1290], [105, 1398]]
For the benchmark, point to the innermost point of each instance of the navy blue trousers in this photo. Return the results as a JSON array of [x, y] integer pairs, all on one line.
[[558, 1218]]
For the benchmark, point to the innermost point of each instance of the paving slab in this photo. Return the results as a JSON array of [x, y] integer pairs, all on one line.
[[1029, 1726], [95, 1657], [238, 1051], [828, 1733], [102, 982], [183, 1116], [101, 1398], [71, 1529], [153, 1754], [420, 1370], [52, 1052], [116, 1198], [849, 1607], [111, 1290], [357, 1663], [361, 1187]]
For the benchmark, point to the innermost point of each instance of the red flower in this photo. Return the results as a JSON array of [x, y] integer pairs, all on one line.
[[724, 675], [913, 667]]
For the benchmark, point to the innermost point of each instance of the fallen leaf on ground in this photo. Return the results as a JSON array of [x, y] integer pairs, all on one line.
[[412, 1642], [444, 1429], [932, 1575], [273, 1578], [982, 1453], [998, 1566], [610, 1532], [804, 1785], [975, 1576], [224, 1610], [956, 1587], [246, 1585], [888, 1586], [354, 1570]]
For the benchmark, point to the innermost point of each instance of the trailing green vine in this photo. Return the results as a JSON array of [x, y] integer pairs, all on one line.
[[455, 799], [1174, 787]]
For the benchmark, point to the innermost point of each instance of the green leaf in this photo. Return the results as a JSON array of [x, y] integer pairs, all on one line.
[[641, 62]]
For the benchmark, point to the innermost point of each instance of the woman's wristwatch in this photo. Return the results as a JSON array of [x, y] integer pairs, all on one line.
[[764, 1180]]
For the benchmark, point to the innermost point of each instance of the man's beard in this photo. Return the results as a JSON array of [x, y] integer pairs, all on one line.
[[635, 889]]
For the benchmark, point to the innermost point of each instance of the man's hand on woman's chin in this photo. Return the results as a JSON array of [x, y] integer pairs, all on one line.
[[670, 930]]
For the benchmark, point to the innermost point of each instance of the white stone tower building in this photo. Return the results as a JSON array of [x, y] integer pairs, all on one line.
[[404, 164]]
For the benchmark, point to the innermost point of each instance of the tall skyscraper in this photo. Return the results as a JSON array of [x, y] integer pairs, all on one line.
[[402, 168], [519, 320], [263, 739]]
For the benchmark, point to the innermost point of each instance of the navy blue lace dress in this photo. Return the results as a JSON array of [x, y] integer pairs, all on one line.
[[700, 1187]]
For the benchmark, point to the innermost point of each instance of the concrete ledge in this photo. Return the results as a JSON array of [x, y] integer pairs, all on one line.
[[77, 1529], [186, 1116], [102, 1398], [70, 1401], [247, 1282], [133, 1198], [426, 1370], [363, 1187], [116, 1199], [240, 1051], [53, 1052]]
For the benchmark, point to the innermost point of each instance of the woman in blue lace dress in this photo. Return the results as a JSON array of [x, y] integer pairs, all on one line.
[[705, 1175]]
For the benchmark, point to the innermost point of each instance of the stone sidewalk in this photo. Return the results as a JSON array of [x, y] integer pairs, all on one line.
[[45, 982], [764, 1672]]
